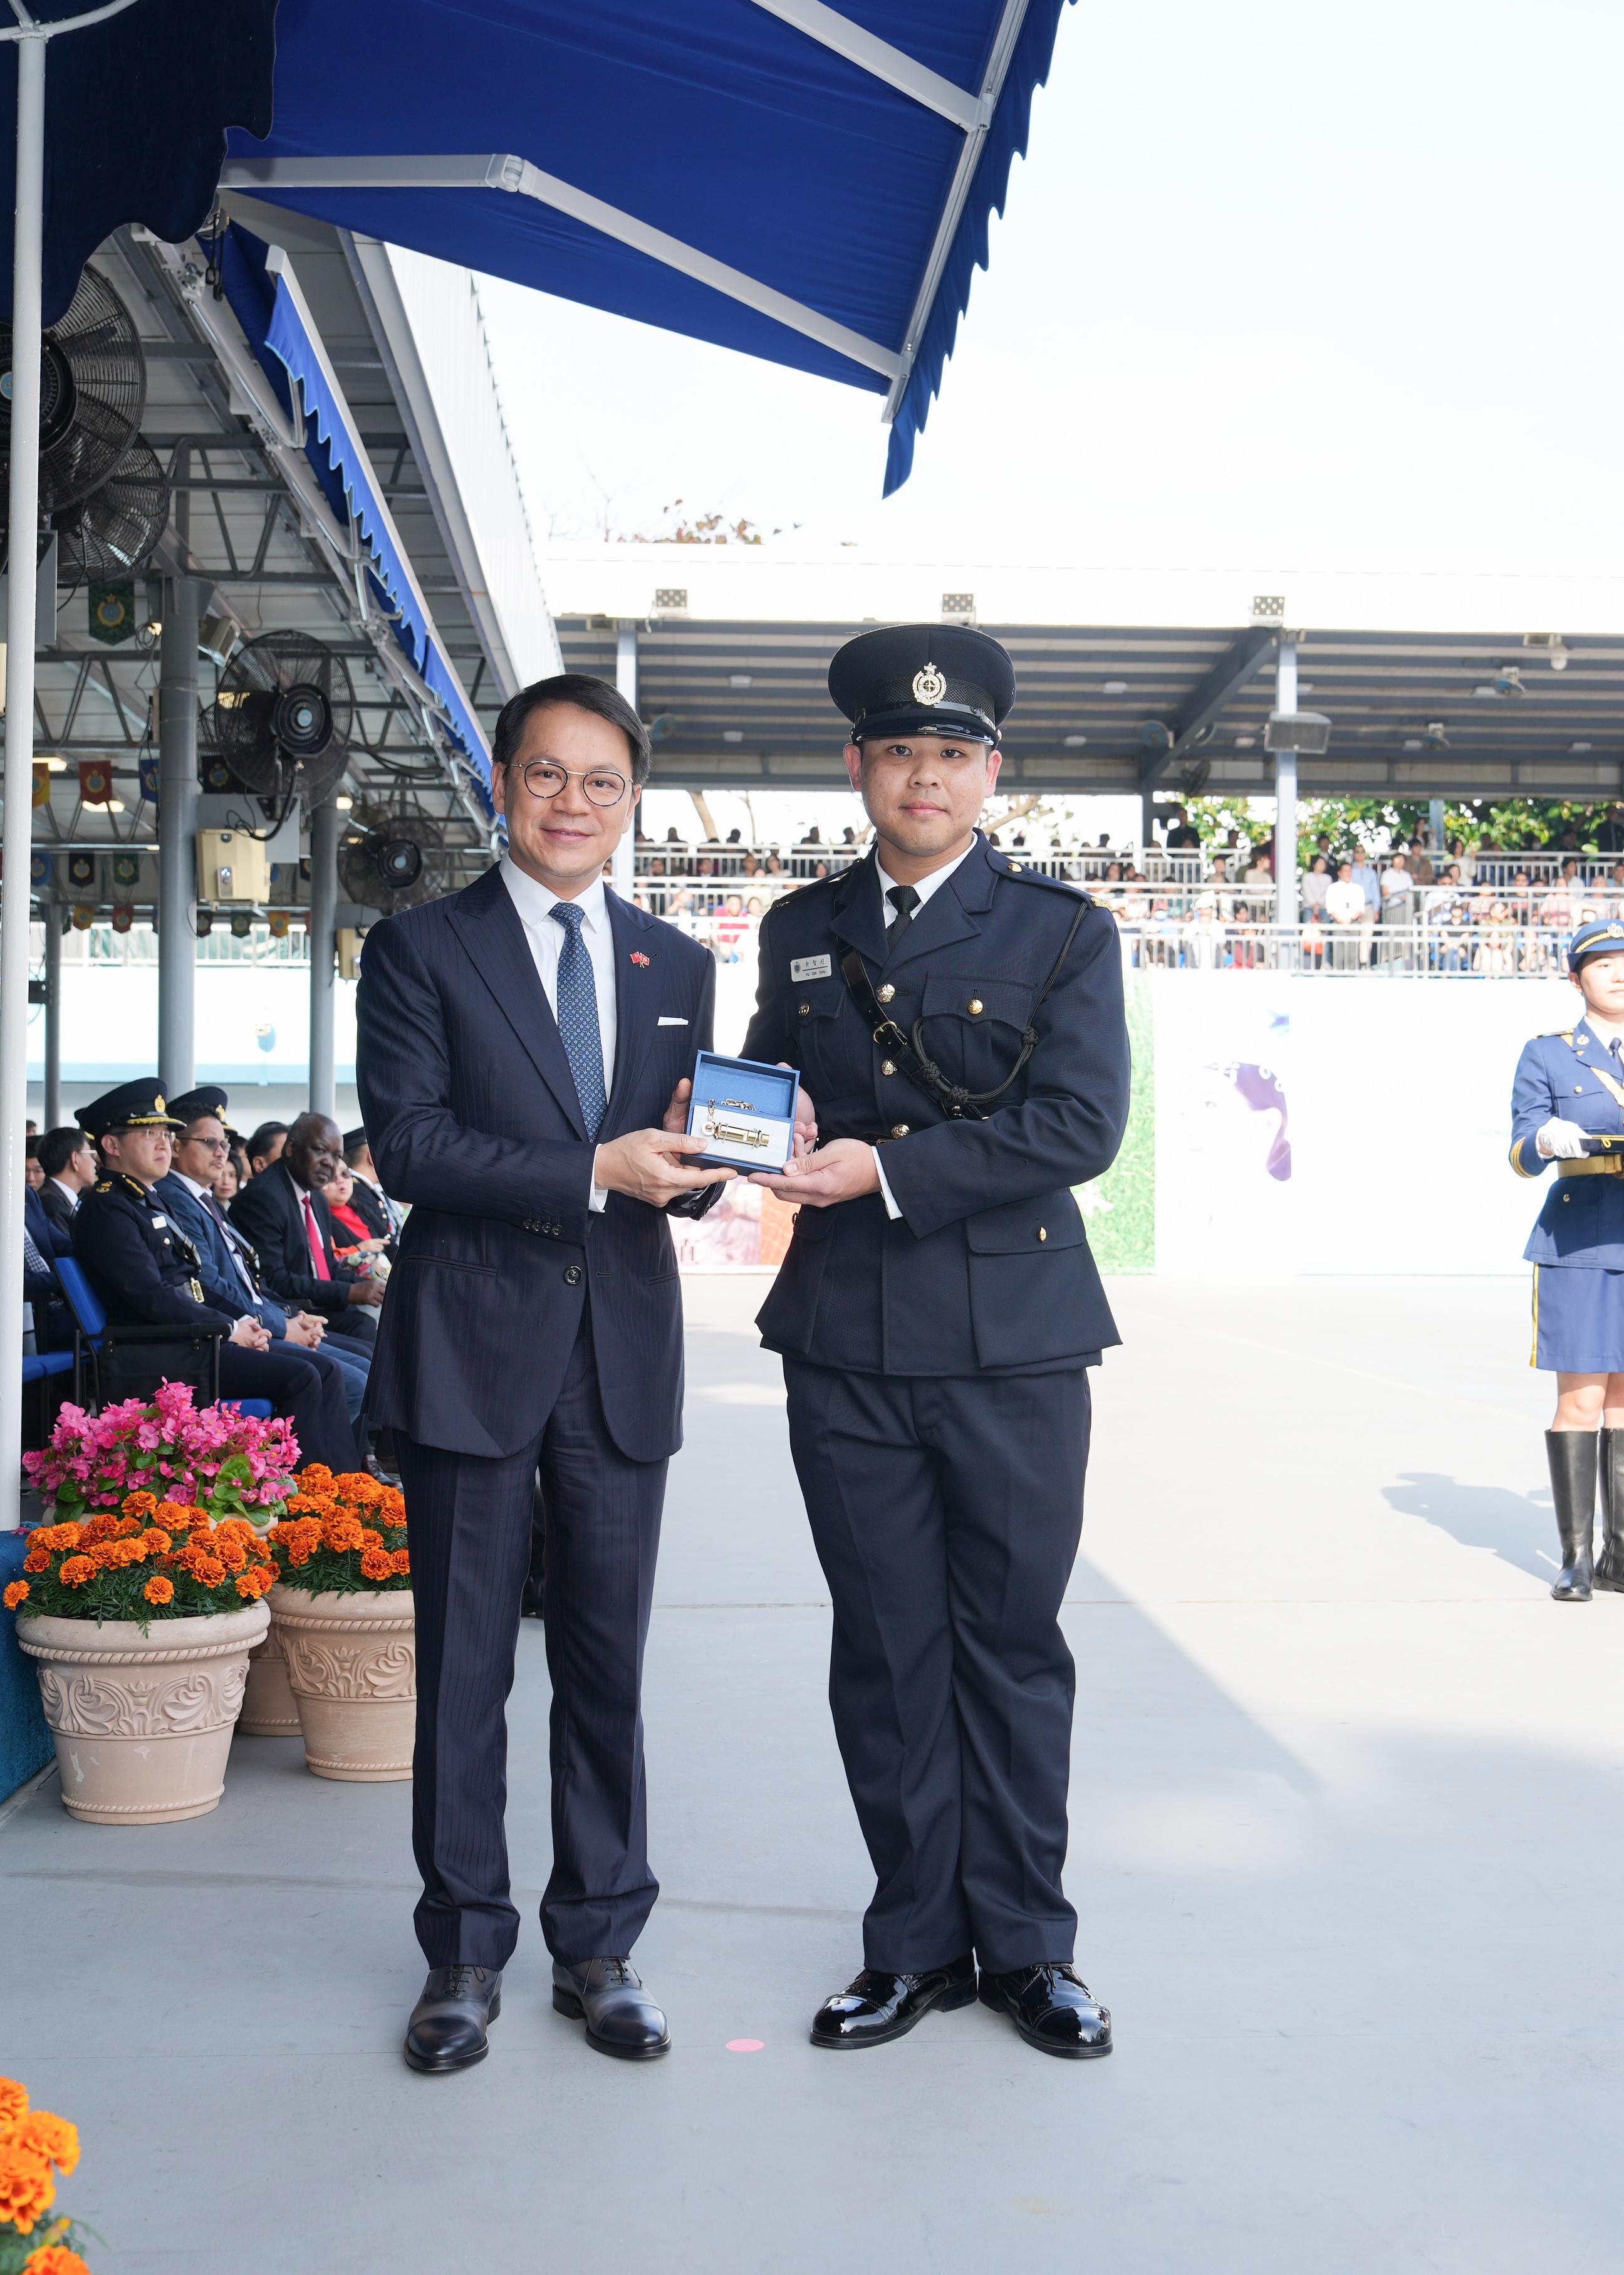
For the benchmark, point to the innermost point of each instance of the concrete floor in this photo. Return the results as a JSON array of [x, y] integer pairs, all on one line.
[[1343, 1843]]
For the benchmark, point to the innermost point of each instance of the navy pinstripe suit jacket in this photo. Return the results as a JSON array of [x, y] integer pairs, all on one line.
[[471, 1114]]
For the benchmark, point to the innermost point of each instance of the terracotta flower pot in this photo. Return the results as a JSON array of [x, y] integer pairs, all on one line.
[[269, 1709], [142, 1722], [352, 1667]]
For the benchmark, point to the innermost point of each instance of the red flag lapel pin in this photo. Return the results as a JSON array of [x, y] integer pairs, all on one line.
[[637, 957]]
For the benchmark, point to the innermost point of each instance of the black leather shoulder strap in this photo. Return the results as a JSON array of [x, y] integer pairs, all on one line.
[[909, 1053]]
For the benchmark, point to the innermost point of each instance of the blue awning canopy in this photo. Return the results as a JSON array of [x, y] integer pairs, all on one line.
[[276, 325], [809, 185]]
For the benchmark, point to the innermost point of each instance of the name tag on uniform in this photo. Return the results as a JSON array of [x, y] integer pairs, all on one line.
[[809, 967], [159, 1223]]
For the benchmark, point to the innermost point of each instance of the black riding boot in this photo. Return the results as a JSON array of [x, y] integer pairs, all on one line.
[[1610, 1563], [1572, 1457]]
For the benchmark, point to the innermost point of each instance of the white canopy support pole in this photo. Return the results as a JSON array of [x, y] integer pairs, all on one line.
[[53, 1015], [626, 681], [178, 798], [323, 955], [23, 521], [1440, 851], [1286, 793]]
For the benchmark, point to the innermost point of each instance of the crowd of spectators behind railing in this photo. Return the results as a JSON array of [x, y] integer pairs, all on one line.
[[1210, 904]]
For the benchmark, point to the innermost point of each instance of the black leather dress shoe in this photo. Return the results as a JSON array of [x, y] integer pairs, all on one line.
[[450, 2021], [607, 1995], [880, 2005], [1053, 2008]]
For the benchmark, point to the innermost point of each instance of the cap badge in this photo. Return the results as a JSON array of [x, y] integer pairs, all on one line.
[[158, 1105], [929, 686]]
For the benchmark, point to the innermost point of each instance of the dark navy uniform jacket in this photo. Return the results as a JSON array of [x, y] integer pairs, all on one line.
[[1583, 1219], [140, 1264], [988, 1266]]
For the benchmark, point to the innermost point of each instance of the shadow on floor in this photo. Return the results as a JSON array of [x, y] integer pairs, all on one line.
[[1515, 1527]]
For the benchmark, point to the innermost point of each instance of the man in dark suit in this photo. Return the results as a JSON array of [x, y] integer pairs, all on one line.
[[377, 1212], [229, 1268], [284, 1214], [522, 1054], [69, 1160], [958, 1021]]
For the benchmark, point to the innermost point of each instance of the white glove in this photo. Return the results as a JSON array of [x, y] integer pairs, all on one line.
[[1561, 1141]]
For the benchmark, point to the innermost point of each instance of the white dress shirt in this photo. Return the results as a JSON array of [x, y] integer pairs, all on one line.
[[534, 904], [72, 1192], [926, 887]]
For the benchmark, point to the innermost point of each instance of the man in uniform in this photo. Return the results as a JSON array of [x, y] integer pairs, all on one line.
[[148, 1272], [228, 1266], [958, 1020]]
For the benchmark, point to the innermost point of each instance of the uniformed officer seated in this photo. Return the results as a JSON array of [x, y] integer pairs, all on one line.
[[148, 1273]]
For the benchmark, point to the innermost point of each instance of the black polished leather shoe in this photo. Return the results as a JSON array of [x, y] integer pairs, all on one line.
[[450, 2021], [880, 2005], [1053, 2008], [607, 1995]]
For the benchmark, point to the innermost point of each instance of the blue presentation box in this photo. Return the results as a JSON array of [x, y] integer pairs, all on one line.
[[745, 1110]]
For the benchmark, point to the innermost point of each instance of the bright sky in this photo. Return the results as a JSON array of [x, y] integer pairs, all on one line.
[[1281, 283]]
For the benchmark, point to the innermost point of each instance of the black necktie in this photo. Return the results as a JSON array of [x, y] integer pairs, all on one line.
[[904, 900]]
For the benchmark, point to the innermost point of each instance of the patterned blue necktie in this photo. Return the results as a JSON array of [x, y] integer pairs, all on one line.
[[578, 1016]]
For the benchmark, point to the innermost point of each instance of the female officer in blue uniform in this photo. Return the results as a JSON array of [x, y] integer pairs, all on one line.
[[1568, 1106]]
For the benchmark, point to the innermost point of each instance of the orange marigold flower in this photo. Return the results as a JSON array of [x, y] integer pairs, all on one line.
[[124, 1526], [377, 1564], [207, 1571], [76, 1570], [371, 1537], [98, 1527], [36, 1559], [159, 1591], [15, 1594], [55, 2259], [13, 2102], [50, 2137], [158, 1543], [26, 2188], [139, 1504], [401, 1559], [174, 1514], [250, 1585], [342, 1533]]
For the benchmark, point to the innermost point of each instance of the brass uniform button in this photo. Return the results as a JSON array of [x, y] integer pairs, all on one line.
[[1017, 866], [1042, 1232], [886, 1067], [806, 1010], [885, 993], [900, 1130], [975, 1006]]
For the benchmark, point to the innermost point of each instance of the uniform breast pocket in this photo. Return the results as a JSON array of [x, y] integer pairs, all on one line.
[[973, 1028], [834, 1043]]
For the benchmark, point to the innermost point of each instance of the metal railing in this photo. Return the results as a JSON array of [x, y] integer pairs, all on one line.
[[1495, 951]]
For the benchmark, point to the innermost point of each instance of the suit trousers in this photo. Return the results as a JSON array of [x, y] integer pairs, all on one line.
[[301, 1383], [469, 1521], [946, 1513]]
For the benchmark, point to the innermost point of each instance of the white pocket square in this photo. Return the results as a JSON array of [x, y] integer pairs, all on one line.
[[672, 1023]]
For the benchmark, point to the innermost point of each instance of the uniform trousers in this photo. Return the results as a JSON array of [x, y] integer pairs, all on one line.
[[945, 1514], [469, 1520], [303, 1384]]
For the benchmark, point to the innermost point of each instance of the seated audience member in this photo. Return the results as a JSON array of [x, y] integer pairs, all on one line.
[[32, 1170], [352, 1236], [264, 1146], [283, 1211], [42, 1242], [228, 1266], [1316, 885], [148, 1273], [229, 1184], [69, 1160], [382, 1217]]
